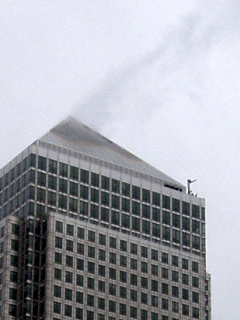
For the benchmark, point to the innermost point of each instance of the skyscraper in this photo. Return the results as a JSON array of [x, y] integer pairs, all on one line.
[[89, 231]]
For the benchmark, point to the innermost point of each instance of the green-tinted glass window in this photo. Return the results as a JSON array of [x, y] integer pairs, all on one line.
[[84, 176], [32, 160], [102, 239], [63, 169], [156, 214], [166, 202], [115, 217], [176, 236], [52, 182], [166, 217], [145, 226], [94, 195], [113, 242], [125, 220], [176, 220], [52, 166], [105, 183], [52, 198], [115, 201], [195, 211], [42, 179], [105, 214], [42, 163], [196, 242], [136, 192], [125, 204], [94, 211], [115, 186], [176, 205], [146, 195], [74, 173], [95, 179], [41, 195], [144, 267], [123, 261], [156, 230], [144, 252], [73, 189], [196, 226], [186, 223], [136, 208], [166, 233], [123, 245], [185, 208], [80, 233], [146, 211], [105, 198], [126, 189], [63, 185], [135, 224], [185, 239], [62, 201], [84, 192], [84, 208], [156, 199]]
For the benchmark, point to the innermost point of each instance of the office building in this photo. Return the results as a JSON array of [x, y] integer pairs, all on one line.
[[89, 231]]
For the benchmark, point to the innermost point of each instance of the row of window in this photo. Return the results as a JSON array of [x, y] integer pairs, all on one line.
[[123, 310], [121, 276], [113, 243], [132, 294]]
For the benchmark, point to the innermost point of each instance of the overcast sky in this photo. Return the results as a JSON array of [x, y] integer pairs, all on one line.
[[160, 78]]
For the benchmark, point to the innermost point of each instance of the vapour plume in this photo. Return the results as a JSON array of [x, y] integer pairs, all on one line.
[[167, 68]]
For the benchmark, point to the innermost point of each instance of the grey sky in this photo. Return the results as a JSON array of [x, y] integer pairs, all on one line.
[[159, 78]]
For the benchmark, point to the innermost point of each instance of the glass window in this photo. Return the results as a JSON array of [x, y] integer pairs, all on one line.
[[123, 292], [146, 211], [133, 248], [57, 291], [175, 291], [126, 189], [80, 233], [79, 297], [195, 211], [156, 214], [176, 220], [136, 208], [95, 179], [185, 279], [80, 248], [186, 208], [115, 186], [84, 176], [68, 294], [123, 245], [73, 173], [63, 169], [74, 189], [42, 163], [166, 202], [57, 307], [113, 242], [105, 183], [146, 195], [144, 298], [70, 229], [175, 205], [195, 266], [166, 233], [63, 185], [123, 261], [125, 221], [125, 204], [136, 192], [94, 211], [102, 239], [91, 236], [115, 218], [166, 218], [105, 198], [156, 199], [69, 245], [144, 267]]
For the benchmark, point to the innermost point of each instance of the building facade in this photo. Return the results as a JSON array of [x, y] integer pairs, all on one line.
[[89, 231]]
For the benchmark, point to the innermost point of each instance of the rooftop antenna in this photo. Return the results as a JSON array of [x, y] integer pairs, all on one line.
[[189, 182]]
